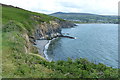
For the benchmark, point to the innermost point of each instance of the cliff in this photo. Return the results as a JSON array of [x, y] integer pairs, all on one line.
[[20, 29], [24, 27], [50, 30]]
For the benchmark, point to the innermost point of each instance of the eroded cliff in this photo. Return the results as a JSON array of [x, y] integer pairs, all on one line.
[[21, 28], [49, 30]]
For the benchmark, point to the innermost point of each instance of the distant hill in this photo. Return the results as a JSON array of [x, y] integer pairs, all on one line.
[[73, 13], [86, 17]]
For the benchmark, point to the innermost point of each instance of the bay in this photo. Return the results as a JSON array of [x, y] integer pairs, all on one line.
[[97, 43]]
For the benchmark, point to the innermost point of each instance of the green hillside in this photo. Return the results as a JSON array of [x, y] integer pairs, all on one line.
[[23, 17], [16, 23], [86, 17], [21, 59]]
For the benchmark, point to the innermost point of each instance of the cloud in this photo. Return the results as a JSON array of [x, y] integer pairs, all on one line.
[[106, 7]]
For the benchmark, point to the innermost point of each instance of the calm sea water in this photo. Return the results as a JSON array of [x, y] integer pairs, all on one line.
[[96, 42]]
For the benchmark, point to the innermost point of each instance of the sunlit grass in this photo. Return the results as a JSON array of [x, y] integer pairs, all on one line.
[[0, 41]]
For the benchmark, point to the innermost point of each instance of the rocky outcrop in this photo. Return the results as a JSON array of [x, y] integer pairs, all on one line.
[[50, 30], [47, 30]]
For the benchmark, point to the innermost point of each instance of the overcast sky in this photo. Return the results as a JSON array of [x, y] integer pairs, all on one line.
[[104, 7]]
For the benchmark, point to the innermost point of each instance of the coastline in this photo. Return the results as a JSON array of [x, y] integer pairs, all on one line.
[[43, 46], [40, 44], [45, 50]]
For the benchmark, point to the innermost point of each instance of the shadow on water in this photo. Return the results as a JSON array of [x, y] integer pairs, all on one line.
[[54, 43]]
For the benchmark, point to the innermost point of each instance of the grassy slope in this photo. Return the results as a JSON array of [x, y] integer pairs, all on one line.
[[24, 17], [18, 63]]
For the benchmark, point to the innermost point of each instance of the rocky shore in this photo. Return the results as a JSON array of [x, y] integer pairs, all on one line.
[[47, 31], [40, 44]]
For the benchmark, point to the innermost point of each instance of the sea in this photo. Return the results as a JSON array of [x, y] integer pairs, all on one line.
[[98, 43]]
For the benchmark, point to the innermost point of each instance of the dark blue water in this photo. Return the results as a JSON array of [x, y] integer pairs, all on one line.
[[96, 42]]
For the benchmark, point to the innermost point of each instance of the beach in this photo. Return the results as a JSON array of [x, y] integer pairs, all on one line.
[[40, 44]]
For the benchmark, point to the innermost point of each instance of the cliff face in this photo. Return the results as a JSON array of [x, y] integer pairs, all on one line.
[[24, 27], [51, 29], [47, 30], [37, 25]]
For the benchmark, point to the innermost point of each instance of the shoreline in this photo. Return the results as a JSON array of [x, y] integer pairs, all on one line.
[[43, 46], [40, 44], [45, 50]]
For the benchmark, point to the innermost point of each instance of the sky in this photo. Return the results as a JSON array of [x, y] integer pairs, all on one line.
[[102, 7]]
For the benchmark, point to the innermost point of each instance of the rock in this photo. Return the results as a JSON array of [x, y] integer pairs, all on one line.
[[50, 30]]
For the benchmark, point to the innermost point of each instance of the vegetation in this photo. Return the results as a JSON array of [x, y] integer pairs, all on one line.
[[86, 17], [19, 57], [25, 18]]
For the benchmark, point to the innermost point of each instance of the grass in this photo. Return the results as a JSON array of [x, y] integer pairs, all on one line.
[[0, 41], [19, 56], [23, 17], [17, 63]]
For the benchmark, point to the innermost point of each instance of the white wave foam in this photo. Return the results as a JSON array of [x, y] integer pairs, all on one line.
[[46, 48], [75, 37]]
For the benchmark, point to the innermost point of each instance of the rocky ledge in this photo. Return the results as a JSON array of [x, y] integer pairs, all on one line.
[[50, 30]]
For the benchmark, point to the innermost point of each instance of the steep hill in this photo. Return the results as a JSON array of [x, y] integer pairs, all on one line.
[[86, 17], [20, 29]]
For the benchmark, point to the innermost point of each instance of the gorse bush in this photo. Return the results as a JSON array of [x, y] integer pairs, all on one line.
[[82, 68]]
